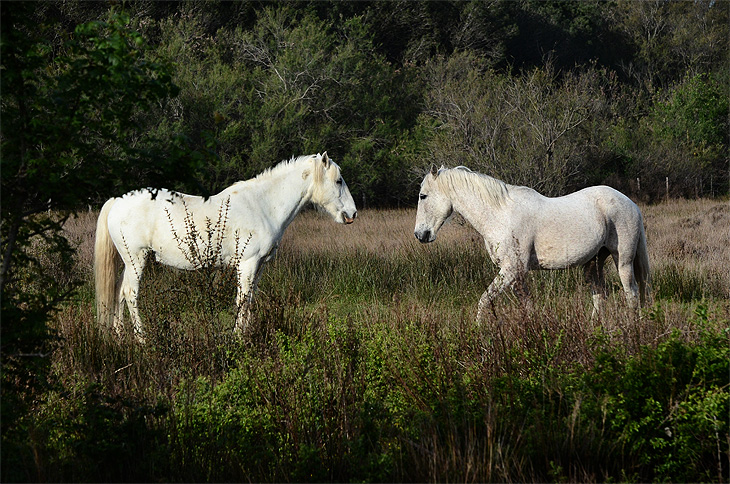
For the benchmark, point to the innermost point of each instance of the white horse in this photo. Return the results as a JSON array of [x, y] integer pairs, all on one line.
[[524, 230], [240, 226]]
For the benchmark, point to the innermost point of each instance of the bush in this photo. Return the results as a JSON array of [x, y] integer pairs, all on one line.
[[684, 137], [667, 407], [293, 84], [538, 129]]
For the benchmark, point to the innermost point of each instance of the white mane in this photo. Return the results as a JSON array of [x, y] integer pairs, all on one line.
[[268, 172], [319, 168], [490, 190]]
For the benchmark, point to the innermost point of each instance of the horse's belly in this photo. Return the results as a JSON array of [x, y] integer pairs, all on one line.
[[565, 252], [178, 260], [555, 260]]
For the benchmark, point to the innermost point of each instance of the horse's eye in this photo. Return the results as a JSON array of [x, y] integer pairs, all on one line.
[[422, 196], [339, 181]]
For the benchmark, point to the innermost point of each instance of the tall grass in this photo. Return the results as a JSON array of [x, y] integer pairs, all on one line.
[[363, 362], [690, 249]]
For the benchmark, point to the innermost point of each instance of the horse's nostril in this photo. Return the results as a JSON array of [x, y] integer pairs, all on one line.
[[424, 236]]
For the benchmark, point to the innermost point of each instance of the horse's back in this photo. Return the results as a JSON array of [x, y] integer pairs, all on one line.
[[620, 216], [606, 196], [139, 217], [617, 208], [569, 230]]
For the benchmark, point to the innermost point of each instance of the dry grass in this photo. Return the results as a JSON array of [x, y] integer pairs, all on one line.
[[376, 231], [81, 230], [691, 238], [692, 234], [689, 251], [375, 270]]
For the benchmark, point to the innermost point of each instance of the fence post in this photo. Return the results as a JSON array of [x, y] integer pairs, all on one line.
[[667, 182]]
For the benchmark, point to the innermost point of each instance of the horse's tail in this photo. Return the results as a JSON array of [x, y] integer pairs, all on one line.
[[106, 264], [641, 266]]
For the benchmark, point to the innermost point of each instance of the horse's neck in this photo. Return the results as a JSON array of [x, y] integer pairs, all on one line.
[[480, 214], [281, 193]]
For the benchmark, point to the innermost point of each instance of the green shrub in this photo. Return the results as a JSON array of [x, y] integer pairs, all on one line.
[[667, 408]]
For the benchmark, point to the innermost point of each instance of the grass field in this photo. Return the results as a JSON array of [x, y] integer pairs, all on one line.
[[363, 363]]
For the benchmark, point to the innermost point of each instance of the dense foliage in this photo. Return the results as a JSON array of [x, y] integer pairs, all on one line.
[[556, 95]]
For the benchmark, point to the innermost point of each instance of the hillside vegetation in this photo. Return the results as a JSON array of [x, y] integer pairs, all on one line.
[[554, 95]]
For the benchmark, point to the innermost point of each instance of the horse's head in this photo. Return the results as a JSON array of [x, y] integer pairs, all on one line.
[[330, 190], [434, 207]]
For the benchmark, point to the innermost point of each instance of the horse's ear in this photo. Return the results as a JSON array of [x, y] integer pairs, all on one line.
[[434, 171], [325, 159]]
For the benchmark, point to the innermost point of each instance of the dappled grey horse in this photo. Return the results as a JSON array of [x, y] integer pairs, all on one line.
[[524, 230]]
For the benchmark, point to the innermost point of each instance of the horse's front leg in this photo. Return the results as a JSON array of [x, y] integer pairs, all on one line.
[[505, 279], [248, 274]]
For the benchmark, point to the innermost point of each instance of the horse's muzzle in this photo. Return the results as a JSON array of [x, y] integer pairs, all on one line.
[[424, 236], [348, 220]]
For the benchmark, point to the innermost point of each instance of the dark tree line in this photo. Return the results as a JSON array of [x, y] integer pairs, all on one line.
[[256, 82]]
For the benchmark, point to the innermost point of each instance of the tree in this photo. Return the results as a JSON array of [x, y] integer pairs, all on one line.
[[68, 119], [671, 38], [70, 131], [291, 84], [535, 129], [683, 137]]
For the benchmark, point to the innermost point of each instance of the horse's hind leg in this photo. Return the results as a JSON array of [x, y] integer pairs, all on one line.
[[594, 275], [628, 280], [129, 291]]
